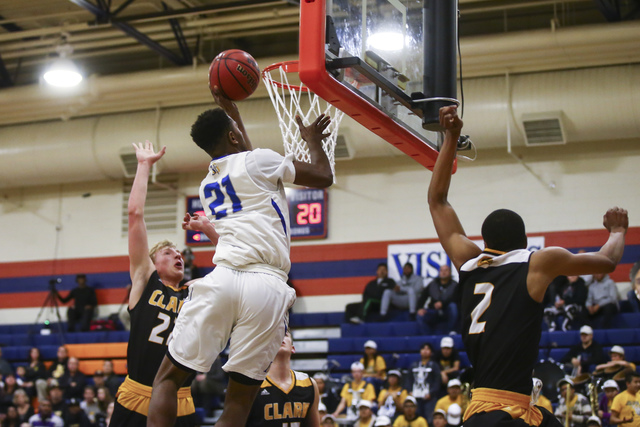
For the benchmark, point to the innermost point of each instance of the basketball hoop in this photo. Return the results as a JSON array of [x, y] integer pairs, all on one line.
[[291, 100]]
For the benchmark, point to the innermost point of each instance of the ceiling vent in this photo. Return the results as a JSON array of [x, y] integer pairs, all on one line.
[[129, 163], [342, 151], [160, 208], [543, 129]]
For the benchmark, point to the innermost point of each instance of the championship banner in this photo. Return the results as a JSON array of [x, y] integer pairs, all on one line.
[[428, 257]]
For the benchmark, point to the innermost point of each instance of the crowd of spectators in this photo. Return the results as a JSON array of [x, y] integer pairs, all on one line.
[[32, 395]]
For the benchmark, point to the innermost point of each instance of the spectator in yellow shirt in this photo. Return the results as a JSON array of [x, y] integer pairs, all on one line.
[[410, 417], [439, 418], [453, 395], [390, 399], [374, 364], [353, 392], [366, 417], [626, 406]]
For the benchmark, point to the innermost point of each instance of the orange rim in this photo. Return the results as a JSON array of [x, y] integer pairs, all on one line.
[[288, 67]]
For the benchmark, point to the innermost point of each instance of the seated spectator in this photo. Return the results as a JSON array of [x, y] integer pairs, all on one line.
[[34, 381], [390, 399], [453, 396], [610, 390], [10, 387], [448, 360], [602, 302], [207, 387], [85, 302], [56, 399], [45, 416], [569, 295], [328, 392], [89, 403], [73, 381], [410, 417], [75, 416], [375, 367], [626, 405], [111, 380], [104, 398], [59, 366], [354, 392], [425, 382], [365, 414], [98, 379], [382, 421], [5, 366], [104, 420], [617, 360], [439, 418], [594, 421], [438, 304], [23, 406], [579, 405], [581, 357], [11, 418], [328, 421], [405, 294], [371, 297], [21, 372], [633, 296], [454, 415]]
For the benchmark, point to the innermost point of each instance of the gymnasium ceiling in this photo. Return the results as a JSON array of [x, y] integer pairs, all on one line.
[[111, 37]]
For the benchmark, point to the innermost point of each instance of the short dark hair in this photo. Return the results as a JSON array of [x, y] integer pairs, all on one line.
[[408, 264], [427, 345], [630, 376], [503, 230], [210, 128], [382, 264], [81, 276]]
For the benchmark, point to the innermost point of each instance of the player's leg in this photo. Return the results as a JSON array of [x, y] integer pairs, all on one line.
[[163, 407], [241, 392]]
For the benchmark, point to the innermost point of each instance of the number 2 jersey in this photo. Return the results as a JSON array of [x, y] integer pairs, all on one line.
[[152, 320], [243, 195], [501, 323], [275, 407]]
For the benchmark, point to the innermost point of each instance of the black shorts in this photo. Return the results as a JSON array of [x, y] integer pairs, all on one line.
[[503, 419], [123, 417]]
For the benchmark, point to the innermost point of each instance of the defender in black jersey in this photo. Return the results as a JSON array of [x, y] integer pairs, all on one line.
[[287, 398], [502, 291], [154, 303]]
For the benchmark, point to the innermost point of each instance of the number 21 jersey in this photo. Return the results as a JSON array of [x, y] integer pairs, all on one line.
[[243, 194], [501, 323]]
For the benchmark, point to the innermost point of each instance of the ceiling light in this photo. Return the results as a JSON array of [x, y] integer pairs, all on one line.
[[63, 72]]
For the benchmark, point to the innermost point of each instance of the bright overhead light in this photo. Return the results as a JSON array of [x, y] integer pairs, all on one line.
[[63, 73], [386, 41]]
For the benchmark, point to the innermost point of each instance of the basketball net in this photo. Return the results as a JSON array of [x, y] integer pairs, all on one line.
[[291, 100]]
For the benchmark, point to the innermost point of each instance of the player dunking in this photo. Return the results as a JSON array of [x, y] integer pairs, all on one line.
[[155, 300], [287, 397], [246, 297], [502, 290]]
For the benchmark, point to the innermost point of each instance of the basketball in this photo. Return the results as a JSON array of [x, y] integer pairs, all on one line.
[[236, 74]]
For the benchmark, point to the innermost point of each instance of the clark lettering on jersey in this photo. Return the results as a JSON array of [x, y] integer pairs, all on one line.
[[157, 299], [290, 410]]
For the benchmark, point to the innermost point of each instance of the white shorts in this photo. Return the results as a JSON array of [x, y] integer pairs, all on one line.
[[248, 307]]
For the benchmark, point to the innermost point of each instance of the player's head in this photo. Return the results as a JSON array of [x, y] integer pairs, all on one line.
[[167, 259], [503, 230], [215, 132], [287, 348]]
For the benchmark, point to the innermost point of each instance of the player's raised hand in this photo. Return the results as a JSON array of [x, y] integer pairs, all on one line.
[[146, 154], [226, 104], [315, 131], [449, 119], [616, 219], [195, 222]]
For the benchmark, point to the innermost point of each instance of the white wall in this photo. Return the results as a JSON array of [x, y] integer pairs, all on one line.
[[374, 199]]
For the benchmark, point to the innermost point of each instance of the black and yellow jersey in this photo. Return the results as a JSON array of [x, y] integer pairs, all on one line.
[[501, 323], [152, 320], [275, 407]]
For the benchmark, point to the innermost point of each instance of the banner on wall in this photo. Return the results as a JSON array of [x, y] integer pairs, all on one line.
[[428, 257]]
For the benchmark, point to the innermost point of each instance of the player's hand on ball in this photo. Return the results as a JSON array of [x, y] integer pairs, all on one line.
[[145, 153], [314, 132], [616, 219], [226, 104], [449, 119]]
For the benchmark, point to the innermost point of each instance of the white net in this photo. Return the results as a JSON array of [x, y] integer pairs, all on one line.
[[291, 100]]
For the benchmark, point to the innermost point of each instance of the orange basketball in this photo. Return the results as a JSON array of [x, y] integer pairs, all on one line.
[[236, 73]]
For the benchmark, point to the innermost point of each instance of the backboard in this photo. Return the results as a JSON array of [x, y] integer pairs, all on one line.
[[388, 64]]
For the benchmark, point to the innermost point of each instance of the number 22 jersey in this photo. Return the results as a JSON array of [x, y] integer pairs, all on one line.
[[501, 323], [243, 195]]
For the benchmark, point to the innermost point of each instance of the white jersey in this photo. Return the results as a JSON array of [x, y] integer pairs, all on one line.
[[243, 195]]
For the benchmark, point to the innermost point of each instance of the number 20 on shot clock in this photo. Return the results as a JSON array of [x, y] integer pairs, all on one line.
[[307, 213]]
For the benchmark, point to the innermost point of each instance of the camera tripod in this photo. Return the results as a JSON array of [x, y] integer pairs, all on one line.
[[51, 302]]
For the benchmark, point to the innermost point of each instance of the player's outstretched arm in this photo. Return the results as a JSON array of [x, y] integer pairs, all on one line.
[[450, 232], [231, 109], [140, 265], [313, 417], [318, 173], [202, 224], [548, 263]]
